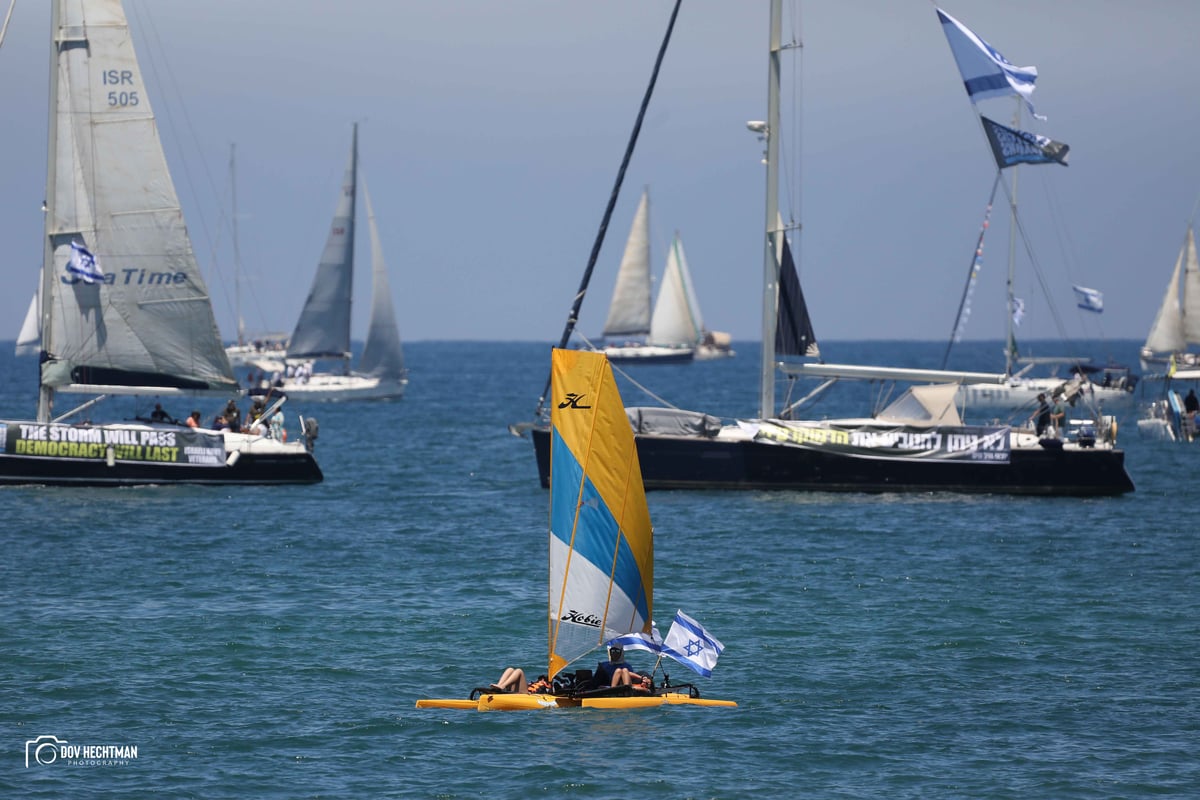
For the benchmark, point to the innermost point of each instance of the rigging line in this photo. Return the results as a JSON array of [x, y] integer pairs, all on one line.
[[573, 317], [628, 377], [7, 19], [972, 273]]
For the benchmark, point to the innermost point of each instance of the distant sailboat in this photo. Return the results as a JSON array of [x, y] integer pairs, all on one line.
[[29, 340], [1177, 323], [674, 331], [323, 330], [601, 583], [124, 308]]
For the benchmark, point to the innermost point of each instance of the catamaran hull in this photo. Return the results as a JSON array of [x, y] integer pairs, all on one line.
[[681, 462], [531, 702]]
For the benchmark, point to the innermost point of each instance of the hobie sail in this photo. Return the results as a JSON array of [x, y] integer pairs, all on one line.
[[601, 546]]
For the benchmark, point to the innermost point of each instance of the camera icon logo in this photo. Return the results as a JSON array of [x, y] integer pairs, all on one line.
[[44, 749]]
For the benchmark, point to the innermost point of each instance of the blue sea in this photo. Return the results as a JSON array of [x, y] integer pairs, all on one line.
[[257, 642]]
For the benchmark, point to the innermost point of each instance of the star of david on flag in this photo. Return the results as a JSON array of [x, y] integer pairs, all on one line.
[[84, 264], [688, 643]]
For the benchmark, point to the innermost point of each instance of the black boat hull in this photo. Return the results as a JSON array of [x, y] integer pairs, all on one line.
[[680, 462], [250, 469]]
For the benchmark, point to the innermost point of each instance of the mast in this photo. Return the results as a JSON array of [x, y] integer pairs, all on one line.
[[46, 393], [766, 400], [1009, 341], [237, 256]]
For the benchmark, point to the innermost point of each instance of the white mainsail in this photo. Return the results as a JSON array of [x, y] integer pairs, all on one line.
[[629, 312], [148, 324], [676, 319], [383, 355], [1177, 323]]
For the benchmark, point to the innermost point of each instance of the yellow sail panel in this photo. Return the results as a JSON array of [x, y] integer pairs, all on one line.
[[601, 546]]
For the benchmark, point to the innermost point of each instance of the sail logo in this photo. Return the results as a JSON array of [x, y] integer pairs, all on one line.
[[582, 618], [47, 750], [573, 400]]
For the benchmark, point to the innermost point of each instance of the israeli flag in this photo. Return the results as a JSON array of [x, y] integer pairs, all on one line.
[[688, 643], [1089, 299], [651, 642], [1018, 310], [84, 264], [986, 73]]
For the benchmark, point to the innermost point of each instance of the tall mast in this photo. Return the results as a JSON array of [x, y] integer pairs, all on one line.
[[46, 393], [766, 400], [237, 256]]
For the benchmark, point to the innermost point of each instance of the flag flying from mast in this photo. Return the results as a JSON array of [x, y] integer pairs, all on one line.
[[651, 642], [688, 643], [1011, 146], [985, 72], [1089, 299]]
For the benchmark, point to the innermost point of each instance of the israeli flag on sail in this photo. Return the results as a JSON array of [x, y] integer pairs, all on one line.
[[1018, 310], [986, 73], [688, 643], [84, 264], [1089, 299], [651, 642]]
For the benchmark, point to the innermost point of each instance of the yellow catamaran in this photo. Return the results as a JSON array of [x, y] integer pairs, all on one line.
[[601, 546]]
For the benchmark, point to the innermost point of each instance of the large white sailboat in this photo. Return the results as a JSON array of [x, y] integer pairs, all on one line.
[[918, 444], [123, 307], [323, 330]]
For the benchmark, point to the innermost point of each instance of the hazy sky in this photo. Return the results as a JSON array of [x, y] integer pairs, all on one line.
[[491, 132]]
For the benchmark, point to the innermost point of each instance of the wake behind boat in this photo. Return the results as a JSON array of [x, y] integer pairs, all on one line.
[[601, 587], [123, 306]]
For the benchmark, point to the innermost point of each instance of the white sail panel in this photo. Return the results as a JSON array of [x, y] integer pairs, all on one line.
[[383, 354], [674, 323], [1166, 332], [149, 322], [629, 312], [1191, 291]]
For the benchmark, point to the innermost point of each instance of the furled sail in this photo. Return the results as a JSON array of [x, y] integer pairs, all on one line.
[[127, 307], [601, 545], [323, 330], [629, 312]]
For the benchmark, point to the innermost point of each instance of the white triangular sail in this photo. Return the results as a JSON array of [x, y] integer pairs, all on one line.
[[383, 354], [29, 340], [1167, 333], [676, 320], [1191, 292], [629, 312], [148, 323]]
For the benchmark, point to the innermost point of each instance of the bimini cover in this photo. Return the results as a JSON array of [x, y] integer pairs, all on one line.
[[925, 405], [672, 422]]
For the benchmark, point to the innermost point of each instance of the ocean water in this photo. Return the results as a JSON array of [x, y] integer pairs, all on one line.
[[271, 642]]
